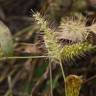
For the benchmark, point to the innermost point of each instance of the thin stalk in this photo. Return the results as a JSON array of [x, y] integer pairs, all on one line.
[[9, 92], [51, 85], [64, 77], [24, 57]]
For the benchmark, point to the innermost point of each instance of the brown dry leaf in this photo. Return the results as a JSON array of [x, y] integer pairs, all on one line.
[[73, 85]]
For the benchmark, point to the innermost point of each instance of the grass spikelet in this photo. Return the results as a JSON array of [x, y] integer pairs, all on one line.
[[73, 29], [70, 52], [49, 37], [73, 85]]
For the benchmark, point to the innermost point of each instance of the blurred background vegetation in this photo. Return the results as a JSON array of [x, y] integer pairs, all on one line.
[[21, 37]]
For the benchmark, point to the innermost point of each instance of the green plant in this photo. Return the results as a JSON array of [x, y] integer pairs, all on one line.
[[50, 41], [56, 53], [68, 52]]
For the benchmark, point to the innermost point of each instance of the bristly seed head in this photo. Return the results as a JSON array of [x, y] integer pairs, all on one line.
[[49, 37]]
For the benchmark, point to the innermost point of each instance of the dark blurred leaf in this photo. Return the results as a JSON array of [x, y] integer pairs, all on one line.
[[6, 42]]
